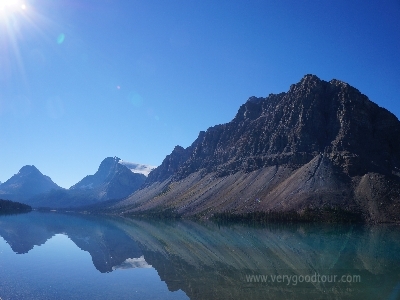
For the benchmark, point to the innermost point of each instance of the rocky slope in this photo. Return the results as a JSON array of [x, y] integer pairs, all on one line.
[[28, 182], [111, 181], [319, 145]]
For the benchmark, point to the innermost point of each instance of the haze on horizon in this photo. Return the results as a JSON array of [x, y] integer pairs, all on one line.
[[81, 81]]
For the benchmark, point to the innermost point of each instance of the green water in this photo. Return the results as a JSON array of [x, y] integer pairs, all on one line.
[[61, 256]]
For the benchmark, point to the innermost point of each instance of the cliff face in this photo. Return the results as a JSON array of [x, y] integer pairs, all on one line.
[[313, 117], [321, 144], [169, 166]]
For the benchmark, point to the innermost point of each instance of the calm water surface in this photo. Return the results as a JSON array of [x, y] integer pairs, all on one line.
[[61, 256]]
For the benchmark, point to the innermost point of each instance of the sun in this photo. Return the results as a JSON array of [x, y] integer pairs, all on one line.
[[11, 6], [15, 17]]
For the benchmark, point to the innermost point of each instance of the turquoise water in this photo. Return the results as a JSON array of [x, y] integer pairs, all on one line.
[[61, 256]]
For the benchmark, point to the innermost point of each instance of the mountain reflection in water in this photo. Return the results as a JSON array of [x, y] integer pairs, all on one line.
[[208, 261]]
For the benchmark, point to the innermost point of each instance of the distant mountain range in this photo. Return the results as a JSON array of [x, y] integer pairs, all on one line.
[[319, 146], [321, 149], [113, 180]]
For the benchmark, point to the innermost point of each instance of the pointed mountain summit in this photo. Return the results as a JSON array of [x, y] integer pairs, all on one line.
[[107, 170], [28, 182], [111, 181], [320, 146]]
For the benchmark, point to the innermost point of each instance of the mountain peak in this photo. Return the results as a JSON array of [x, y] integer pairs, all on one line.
[[110, 160], [107, 168], [178, 148], [320, 143], [107, 165], [29, 181], [310, 78], [255, 99], [28, 169], [113, 178]]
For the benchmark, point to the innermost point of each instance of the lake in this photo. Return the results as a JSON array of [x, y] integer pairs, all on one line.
[[73, 256]]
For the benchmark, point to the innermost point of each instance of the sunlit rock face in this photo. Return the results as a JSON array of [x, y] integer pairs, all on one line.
[[321, 144]]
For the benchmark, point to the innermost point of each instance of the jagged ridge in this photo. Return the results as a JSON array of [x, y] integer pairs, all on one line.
[[320, 144]]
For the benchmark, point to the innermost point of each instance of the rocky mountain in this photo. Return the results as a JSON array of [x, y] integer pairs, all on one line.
[[321, 145], [170, 165], [28, 182], [111, 181]]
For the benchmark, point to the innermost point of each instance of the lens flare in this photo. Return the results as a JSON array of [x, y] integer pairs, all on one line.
[[60, 38], [135, 99]]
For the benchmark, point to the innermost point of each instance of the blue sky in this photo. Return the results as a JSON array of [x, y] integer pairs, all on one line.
[[83, 80]]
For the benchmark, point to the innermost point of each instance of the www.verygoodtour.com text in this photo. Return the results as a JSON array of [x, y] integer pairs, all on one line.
[[295, 279]]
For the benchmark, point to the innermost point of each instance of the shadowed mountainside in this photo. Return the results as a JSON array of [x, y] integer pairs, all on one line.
[[319, 145]]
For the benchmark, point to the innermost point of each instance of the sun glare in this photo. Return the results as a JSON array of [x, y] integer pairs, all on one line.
[[15, 16], [11, 6]]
